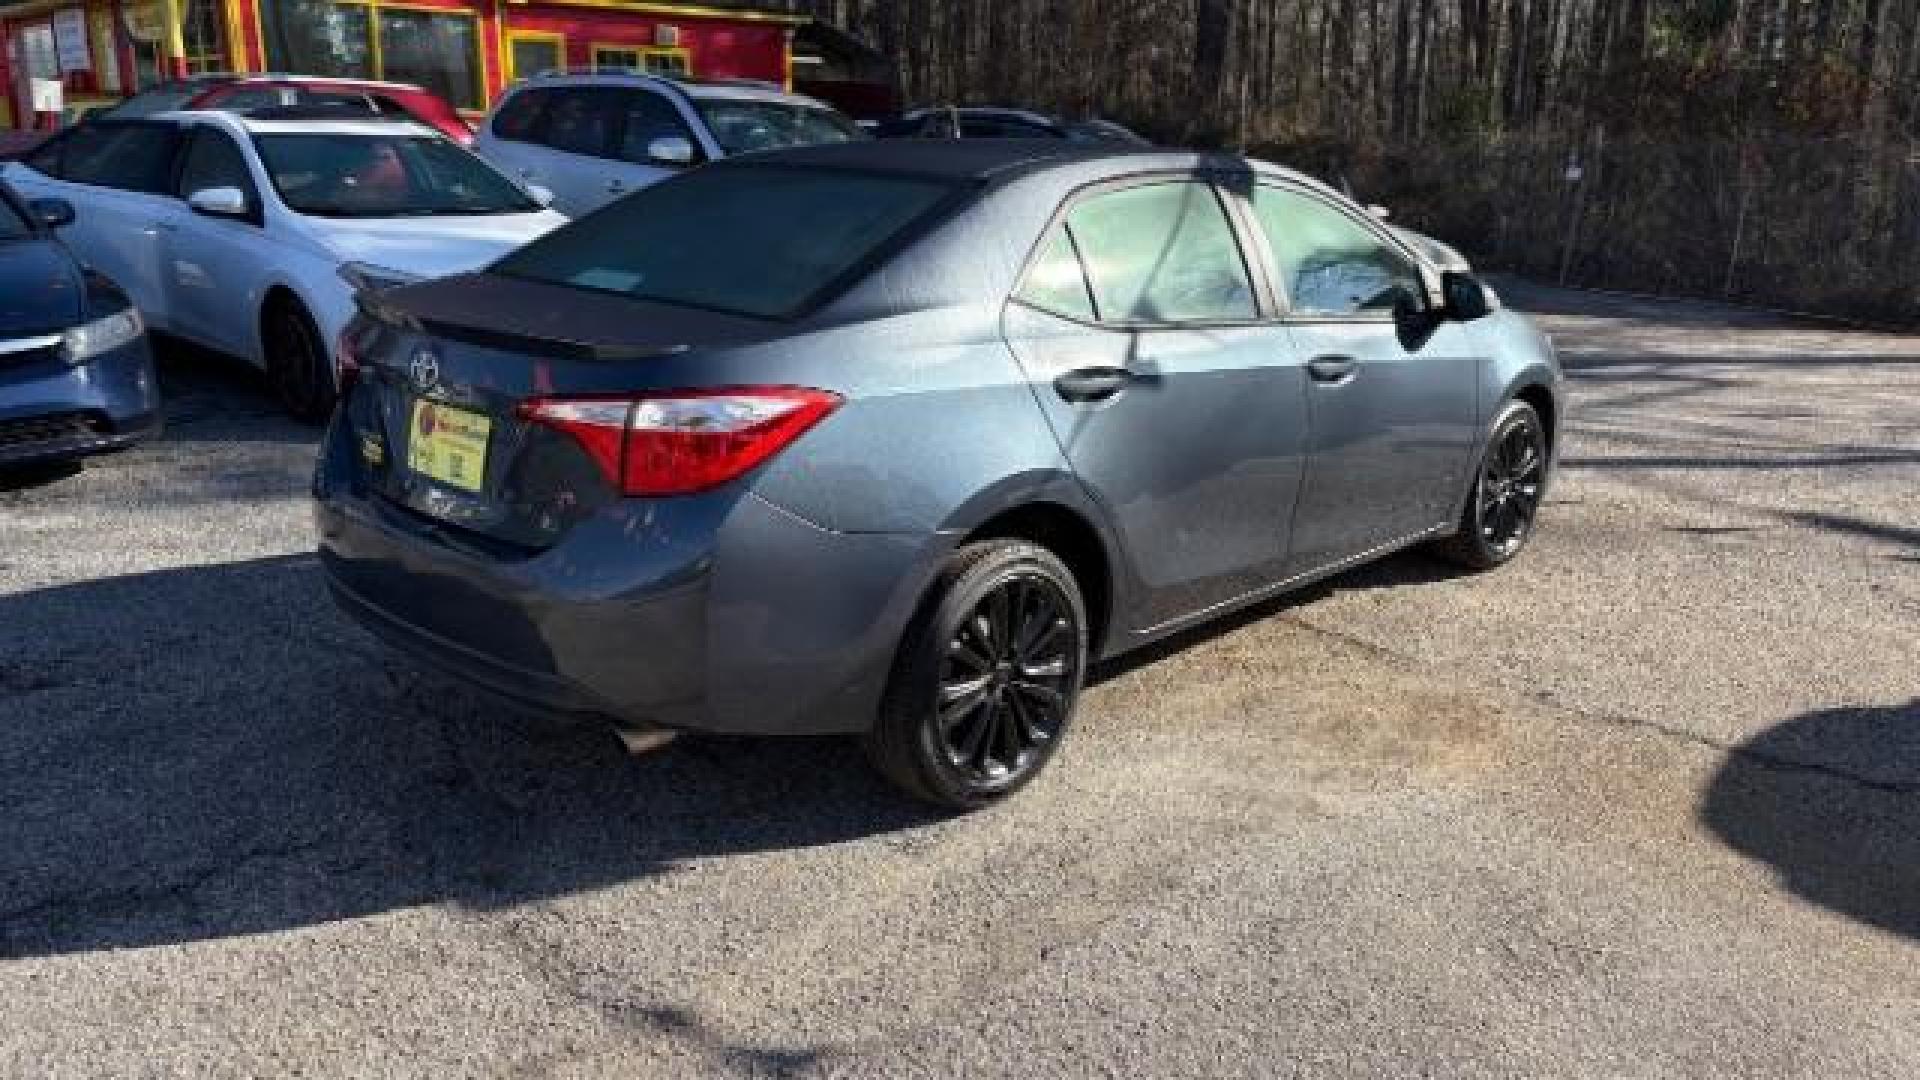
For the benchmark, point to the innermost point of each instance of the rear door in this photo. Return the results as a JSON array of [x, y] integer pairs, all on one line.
[[1392, 413], [119, 176], [570, 149], [1181, 408]]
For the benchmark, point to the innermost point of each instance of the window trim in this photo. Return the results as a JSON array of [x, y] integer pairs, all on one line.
[[651, 51], [1367, 223], [549, 37], [1264, 307], [596, 48]]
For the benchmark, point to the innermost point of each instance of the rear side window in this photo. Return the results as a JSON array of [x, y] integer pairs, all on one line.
[[766, 242], [1162, 253], [1057, 282], [582, 120], [131, 157], [1330, 263], [519, 118]]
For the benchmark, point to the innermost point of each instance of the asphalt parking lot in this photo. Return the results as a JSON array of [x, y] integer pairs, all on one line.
[[1646, 803]]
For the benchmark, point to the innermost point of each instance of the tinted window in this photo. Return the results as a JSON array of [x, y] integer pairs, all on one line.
[[582, 120], [755, 241], [132, 157], [741, 127], [647, 117], [213, 161], [1057, 282], [1162, 253], [519, 118], [338, 175], [1329, 263]]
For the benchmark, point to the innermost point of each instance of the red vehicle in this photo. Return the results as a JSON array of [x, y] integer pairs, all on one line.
[[243, 92]]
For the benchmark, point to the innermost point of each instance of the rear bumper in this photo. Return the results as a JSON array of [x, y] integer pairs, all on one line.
[[51, 410], [773, 626]]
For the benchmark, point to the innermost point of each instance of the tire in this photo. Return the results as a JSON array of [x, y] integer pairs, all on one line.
[[1505, 503], [299, 364], [1026, 668]]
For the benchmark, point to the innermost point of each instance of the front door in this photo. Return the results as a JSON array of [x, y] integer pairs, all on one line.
[[1392, 413], [207, 258], [1182, 412]]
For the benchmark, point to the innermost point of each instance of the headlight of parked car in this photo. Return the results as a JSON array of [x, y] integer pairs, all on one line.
[[88, 340], [366, 277]]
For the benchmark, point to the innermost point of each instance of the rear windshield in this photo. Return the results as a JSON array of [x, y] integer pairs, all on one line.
[[766, 241], [159, 100]]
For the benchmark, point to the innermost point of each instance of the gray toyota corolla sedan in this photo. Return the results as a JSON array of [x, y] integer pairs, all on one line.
[[897, 438]]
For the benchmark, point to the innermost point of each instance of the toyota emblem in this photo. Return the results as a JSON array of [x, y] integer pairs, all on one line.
[[425, 370]]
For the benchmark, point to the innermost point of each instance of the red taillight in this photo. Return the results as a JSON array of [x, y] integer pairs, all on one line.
[[683, 441]]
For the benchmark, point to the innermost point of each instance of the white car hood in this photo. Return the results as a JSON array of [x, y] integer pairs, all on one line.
[[432, 247]]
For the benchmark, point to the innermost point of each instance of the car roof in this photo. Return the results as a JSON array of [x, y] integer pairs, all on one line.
[[727, 89], [991, 159], [985, 112], [242, 123]]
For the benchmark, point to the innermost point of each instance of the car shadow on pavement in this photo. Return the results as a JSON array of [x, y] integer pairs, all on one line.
[[213, 751], [1831, 801]]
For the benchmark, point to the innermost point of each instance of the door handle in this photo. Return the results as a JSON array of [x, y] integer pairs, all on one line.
[[615, 187], [1333, 369], [1092, 383]]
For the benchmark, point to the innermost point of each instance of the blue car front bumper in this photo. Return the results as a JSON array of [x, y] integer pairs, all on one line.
[[51, 409]]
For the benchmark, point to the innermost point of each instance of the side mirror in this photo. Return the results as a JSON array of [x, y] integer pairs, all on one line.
[[225, 202], [52, 213], [541, 195], [1467, 298], [670, 151], [1379, 212]]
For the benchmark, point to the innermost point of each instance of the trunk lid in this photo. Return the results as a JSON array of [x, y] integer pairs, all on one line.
[[444, 368]]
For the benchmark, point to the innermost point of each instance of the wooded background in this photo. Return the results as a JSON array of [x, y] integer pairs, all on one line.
[[1763, 150]]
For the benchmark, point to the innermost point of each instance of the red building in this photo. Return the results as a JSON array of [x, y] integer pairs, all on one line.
[[92, 52]]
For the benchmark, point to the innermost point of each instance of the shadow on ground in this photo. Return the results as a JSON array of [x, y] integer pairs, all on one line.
[[209, 752], [1831, 801]]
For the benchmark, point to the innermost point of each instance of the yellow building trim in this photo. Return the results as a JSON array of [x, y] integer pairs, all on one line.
[[237, 38], [511, 37], [651, 51], [685, 11]]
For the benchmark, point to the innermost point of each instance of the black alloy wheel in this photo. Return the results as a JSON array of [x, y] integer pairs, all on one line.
[[299, 364], [1505, 504], [985, 685]]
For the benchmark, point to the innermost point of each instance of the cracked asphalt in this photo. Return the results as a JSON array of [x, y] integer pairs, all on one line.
[[1646, 803]]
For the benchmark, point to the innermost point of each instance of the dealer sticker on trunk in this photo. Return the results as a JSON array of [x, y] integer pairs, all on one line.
[[449, 445]]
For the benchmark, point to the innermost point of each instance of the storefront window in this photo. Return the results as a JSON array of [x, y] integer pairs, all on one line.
[[437, 50], [318, 37], [204, 33]]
